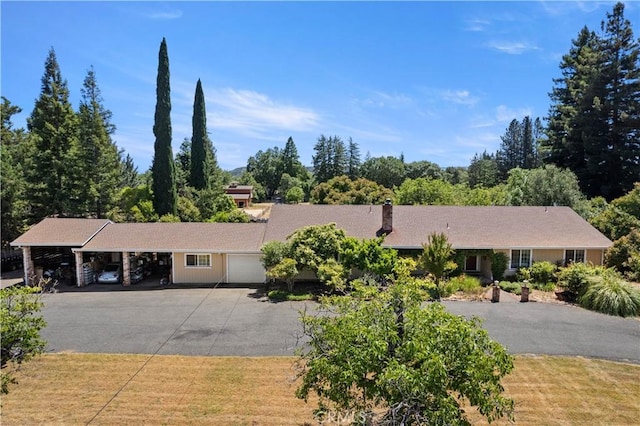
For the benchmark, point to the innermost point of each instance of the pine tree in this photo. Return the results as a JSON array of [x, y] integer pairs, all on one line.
[[165, 197], [594, 123], [100, 171], [353, 160], [199, 171], [291, 160], [53, 125]]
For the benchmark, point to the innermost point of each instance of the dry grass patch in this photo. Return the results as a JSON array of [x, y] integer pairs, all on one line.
[[74, 389]]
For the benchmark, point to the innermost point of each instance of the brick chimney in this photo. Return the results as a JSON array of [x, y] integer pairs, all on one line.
[[387, 217]]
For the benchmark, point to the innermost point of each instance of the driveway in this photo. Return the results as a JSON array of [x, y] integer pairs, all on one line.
[[239, 322]]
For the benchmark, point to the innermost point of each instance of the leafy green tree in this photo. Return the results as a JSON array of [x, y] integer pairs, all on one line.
[[165, 197], [100, 171], [386, 171], [285, 270], [53, 124], [313, 245], [437, 259], [14, 145], [265, 167], [623, 253], [384, 357], [342, 190], [273, 252], [330, 158], [20, 327], [544, 186], [423, 191], [233, 216], [368, 256], [295, 195], [423, 169], [259, 193]]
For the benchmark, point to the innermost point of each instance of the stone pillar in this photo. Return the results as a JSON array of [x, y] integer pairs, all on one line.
[[126, 276], [495, 292], [79, 271], [27, 265], [524, 293]]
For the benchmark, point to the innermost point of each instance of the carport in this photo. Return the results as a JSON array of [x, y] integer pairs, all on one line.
[[50, 244]]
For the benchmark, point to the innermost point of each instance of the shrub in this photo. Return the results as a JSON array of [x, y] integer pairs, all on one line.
[[575, 278], [499, 262], [544, 286], [610, 294], [543, 272], [466, 284], [511, 287]]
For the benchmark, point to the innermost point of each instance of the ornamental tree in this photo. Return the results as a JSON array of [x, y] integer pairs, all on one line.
[[20, 327], [383, 357]]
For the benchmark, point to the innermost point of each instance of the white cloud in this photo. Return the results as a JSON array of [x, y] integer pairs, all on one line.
[[380, 99], [511, 47], [477, 25], [462, 97], [164, 15], [506, 114], [255, 113]]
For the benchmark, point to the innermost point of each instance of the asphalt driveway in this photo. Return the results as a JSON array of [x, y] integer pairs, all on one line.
[[240, 322]]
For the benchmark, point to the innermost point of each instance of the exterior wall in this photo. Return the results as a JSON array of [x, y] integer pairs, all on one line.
[[213, 274], [594, 256], [552, 255]]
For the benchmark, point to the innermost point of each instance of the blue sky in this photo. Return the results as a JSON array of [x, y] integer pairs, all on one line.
[[436, 81]]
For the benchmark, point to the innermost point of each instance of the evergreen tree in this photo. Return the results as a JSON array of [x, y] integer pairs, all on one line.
[[330, 158], [199, 167], [165, 197], [128, 171], [100, 173], [594, 120], [353, 160], [53, 125], [13, 151], [483, 170], [290, 163]]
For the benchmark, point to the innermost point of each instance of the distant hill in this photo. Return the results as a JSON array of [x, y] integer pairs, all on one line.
[[237, 172]]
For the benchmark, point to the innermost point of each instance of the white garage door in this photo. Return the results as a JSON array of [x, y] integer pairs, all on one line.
[[245, 268]]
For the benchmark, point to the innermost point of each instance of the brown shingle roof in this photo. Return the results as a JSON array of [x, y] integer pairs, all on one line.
[[465, 227], [65, 232], [180, 237]]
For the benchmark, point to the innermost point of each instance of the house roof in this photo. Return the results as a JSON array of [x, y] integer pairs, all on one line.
[[179, 237], [495, 227], [466, 227], [66, 232]]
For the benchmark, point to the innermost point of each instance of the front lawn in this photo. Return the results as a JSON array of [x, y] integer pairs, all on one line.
[[75, 389]]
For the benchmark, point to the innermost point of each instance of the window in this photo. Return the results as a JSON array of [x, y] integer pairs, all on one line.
[[198, 260], [520, 259], [471, 263], [575, 256]]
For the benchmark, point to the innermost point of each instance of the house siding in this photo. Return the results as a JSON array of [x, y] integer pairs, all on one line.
[[198, 275], [595, 256], [548, 255]]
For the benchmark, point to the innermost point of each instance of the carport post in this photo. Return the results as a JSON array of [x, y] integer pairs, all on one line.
[[27, 264], [79, 275], [126, 276]]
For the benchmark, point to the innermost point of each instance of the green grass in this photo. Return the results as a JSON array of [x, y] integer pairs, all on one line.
[[283, 295]]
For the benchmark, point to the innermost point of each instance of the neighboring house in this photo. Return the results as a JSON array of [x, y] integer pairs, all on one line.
[[230, 252], [241, 194]]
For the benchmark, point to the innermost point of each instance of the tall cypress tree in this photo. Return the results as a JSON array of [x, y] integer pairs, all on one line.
[[199, 170], [165, 197], [53, 125]]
